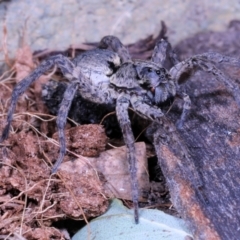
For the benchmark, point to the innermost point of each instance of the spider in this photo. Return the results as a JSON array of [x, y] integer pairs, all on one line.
[[108, 75]]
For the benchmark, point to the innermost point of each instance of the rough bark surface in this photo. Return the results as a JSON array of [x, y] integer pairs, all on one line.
[[201, 162]]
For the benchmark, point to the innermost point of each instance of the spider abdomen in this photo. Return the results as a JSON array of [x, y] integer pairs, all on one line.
[[97, 65]]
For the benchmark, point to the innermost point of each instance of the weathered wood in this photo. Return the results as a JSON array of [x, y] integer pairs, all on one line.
[[202, 162]]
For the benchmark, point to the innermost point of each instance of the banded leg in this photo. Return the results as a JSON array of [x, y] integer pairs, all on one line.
[[203, 62], [62, 62], [114, 44], [124, 122], [61, 121]]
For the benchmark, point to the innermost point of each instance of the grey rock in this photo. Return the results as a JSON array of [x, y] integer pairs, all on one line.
[[56, 25]]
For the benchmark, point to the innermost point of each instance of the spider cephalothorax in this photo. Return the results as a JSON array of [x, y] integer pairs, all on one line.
[[156, 79], [107, 75]]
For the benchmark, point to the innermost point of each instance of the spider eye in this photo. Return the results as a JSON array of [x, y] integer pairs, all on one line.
[[149, 70], [158, 72], [163, 70]]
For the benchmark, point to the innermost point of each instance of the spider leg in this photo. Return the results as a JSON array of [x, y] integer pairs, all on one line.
[[87, 91], [114, 44], [61, 121], [164, 55], [185, 111], [203, 62], [62, 62], [124, 122], [232, 87], [145, 110], [219, 58]]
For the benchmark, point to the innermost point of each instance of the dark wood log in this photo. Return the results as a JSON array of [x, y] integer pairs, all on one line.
[[201, 163]]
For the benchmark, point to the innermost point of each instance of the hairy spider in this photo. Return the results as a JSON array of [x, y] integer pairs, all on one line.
[[107, 75]]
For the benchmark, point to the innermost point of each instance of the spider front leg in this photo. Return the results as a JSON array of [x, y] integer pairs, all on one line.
[[62, 62], [122, 105]]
